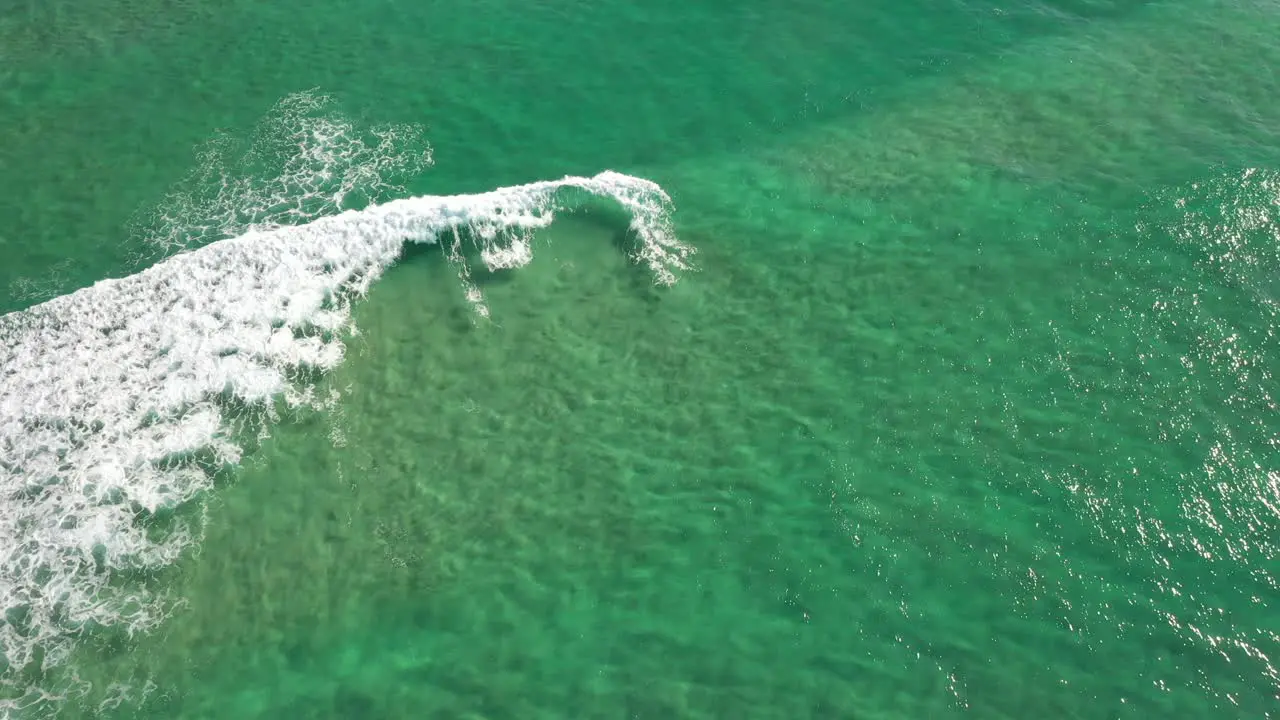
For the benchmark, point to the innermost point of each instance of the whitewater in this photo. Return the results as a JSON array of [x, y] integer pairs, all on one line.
[[120, 402]]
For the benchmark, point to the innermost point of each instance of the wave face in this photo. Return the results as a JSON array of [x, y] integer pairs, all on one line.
[[123, 399]]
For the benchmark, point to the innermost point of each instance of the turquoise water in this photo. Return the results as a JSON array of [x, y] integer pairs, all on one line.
[[962, 407]]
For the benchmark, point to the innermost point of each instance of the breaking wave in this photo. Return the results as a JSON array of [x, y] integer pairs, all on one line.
[[303, 160], [120, 402]]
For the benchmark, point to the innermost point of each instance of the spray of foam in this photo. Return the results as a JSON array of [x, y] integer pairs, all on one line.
[[304, 160], [116, 401]]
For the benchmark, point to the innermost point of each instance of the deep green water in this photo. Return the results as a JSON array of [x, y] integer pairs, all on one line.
[[966, 411]]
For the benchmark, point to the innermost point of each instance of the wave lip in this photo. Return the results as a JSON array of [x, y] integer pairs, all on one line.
[[119, 398]]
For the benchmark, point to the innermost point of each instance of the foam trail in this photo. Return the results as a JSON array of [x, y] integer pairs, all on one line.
[[305, 160], [107, 394]]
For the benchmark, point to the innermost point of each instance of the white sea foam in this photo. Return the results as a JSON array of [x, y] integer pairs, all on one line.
[[110, 394], [305, 160]]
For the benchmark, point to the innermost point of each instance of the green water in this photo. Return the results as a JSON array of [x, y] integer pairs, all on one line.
[[967, 409]]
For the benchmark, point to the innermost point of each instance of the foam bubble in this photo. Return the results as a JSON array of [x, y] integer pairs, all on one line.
[[119, 399]]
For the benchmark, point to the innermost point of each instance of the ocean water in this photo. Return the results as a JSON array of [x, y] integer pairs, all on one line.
[[639, 360]]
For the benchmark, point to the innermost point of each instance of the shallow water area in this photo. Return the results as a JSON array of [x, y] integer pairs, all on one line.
[[964, 408]]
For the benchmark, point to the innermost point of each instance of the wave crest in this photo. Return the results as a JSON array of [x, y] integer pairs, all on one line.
[[121, 399]]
